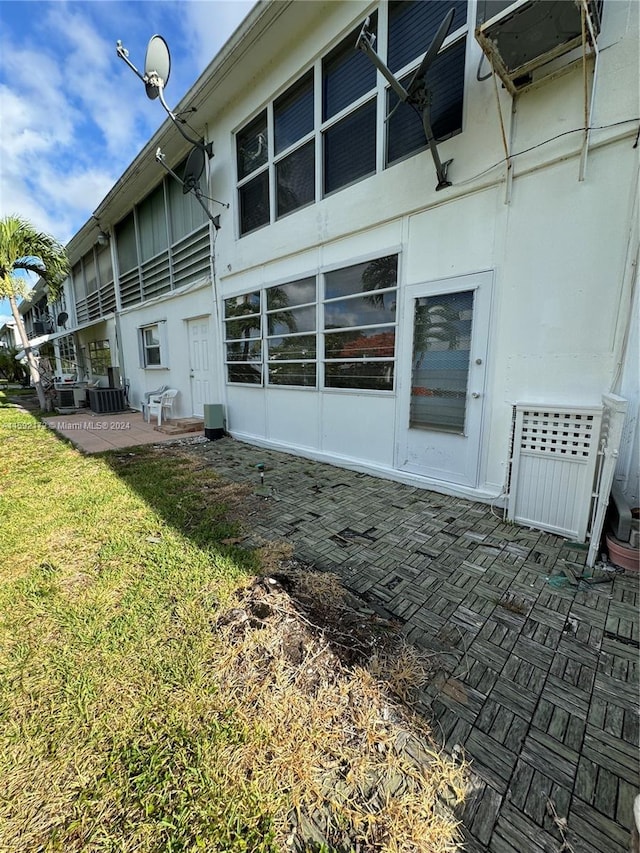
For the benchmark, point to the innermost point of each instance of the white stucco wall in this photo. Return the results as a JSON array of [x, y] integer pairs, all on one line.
[[558, 250], [557, 246], [173, 312]]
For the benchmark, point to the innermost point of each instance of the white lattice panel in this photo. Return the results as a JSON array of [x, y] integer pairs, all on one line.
[[554, 457]]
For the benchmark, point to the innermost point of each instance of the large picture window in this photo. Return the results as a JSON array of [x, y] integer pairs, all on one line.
[[272, 336]]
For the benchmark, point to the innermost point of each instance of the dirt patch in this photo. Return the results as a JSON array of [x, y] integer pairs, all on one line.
[[330, 683]]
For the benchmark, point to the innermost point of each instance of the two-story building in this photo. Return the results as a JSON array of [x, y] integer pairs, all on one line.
[[351, 310]]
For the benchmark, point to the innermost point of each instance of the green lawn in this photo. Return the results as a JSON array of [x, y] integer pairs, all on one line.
[[129, 720]]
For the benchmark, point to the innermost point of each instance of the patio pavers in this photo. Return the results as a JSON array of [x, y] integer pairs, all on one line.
[[537, 683], [95, 433]]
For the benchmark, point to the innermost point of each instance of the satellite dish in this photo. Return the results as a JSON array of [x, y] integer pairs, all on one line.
[[157, 66], [430, 55], [417, 94], [62, 318], [193, 169]]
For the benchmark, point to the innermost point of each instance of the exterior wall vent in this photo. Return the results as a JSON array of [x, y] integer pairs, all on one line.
[[555, 450], [523, 39]]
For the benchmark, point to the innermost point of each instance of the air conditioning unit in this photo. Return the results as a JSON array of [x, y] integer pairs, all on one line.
[[42, 327], [104, 401], [531, 39]]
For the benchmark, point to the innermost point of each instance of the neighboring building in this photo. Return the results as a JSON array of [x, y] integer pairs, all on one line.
[[348, 311]]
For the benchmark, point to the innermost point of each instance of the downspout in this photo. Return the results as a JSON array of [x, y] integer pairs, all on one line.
[[218, 331]]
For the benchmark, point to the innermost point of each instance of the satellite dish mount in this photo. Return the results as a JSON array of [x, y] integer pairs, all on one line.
[[417, 94], [157, 67], [190, 181]]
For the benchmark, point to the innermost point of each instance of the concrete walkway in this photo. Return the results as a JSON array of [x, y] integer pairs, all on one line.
[[538, 679], [97, 433]]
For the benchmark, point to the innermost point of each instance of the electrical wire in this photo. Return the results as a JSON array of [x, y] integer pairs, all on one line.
[[545, 142]]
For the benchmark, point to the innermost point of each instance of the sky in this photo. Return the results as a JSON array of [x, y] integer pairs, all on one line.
[[72, 114]]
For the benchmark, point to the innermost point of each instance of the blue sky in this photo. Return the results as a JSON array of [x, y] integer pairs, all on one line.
[[72, 115]]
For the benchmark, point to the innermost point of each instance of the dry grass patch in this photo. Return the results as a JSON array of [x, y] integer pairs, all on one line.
[[360, 770], [156, 696]]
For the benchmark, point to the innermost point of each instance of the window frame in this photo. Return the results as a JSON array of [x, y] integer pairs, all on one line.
[[161, 346], [320, 333], [378, 94]]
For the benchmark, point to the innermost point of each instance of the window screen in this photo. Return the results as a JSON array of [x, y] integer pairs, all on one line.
[[350, 148], [405, 134], [293, 113], [413, 24], [347, 74], [185, 214], [104, 265], [152, 224], [126, 244], [295, 179]]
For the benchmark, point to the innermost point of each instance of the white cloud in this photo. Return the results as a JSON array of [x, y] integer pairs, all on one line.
[[209, 23]]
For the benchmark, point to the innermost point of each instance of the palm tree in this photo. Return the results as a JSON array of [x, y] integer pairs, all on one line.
[[22, 247]]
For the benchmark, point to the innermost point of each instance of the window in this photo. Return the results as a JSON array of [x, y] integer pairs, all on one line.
[[126, 244], [153, 346], [291, 333], [293, 125], [285, 159], [349, 145], [105, 270], [79, 284], [152, 224], [185, 214], [440, 364], [67, 352], [99, 357], [359, 325], [252, 146], [90, 273], [243, 338], [412, 26], [347, 74], [278, 327]]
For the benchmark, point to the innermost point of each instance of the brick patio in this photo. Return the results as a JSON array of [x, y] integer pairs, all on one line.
[[538, 681]]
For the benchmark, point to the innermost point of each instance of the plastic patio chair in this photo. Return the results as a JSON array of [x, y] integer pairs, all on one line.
[[162, 403], [147, 397]]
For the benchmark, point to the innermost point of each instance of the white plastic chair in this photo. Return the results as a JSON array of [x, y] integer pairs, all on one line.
[[144, 404], [162, 403]]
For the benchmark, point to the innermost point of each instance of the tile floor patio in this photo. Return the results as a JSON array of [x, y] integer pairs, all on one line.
[[94, 433], [537, 682]]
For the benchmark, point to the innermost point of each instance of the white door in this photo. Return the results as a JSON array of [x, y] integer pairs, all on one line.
[[443, 380], [199, 366]]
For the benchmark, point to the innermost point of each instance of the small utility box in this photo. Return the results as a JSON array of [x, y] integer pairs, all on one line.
[[213, 421]]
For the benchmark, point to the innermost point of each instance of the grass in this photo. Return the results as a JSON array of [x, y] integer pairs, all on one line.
[[134, 716]]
